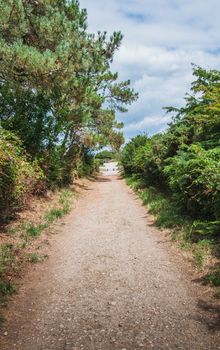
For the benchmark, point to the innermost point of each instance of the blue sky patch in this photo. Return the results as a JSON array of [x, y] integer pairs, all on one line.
[[161, 39], [139, 17]]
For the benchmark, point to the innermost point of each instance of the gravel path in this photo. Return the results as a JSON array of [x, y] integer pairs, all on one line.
[[111, 282]]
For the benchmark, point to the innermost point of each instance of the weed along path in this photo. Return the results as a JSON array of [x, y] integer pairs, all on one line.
[[111, 282]]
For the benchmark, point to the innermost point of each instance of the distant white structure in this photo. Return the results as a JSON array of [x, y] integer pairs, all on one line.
[[110, 168]]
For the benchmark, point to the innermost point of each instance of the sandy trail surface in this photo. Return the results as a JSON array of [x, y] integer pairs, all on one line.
[[111, 282]]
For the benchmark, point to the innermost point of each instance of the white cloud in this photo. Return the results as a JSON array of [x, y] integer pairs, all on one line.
[[147, 122], [162, 39]]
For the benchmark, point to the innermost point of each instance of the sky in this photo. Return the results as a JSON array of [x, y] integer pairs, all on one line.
[[162, 38]]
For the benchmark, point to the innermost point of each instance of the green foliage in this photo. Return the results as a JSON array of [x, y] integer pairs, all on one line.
[[214, 277], [87, 164], [54, 213], [18, 176], [183, 163], [201, 251], [58, 96], [7, 256], [203, 229], [129, 152], [164, 209], [10, 255], [34, 258], [6, 288], [58, 212], [194, 176], [105, 155], [34, 231], [66, 197]]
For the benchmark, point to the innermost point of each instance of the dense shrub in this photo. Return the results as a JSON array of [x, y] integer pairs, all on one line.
[[87, 164], [183, 163], [18, 176], [105, 155], [129, 152], [194, 178]]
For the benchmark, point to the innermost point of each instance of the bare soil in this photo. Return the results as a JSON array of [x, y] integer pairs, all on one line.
[[112, 281]]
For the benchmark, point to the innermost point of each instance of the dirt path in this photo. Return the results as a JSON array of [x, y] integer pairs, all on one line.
[[110, 283]]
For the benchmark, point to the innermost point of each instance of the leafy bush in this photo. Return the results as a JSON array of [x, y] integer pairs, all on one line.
[[129, 152], [87, 164], [214, 277], [19, 177], [105, 155], [194, 178], [204, 229], [183, 163]]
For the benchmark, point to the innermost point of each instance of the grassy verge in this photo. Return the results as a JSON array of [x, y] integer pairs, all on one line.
[[20, 246], [205, 251]]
